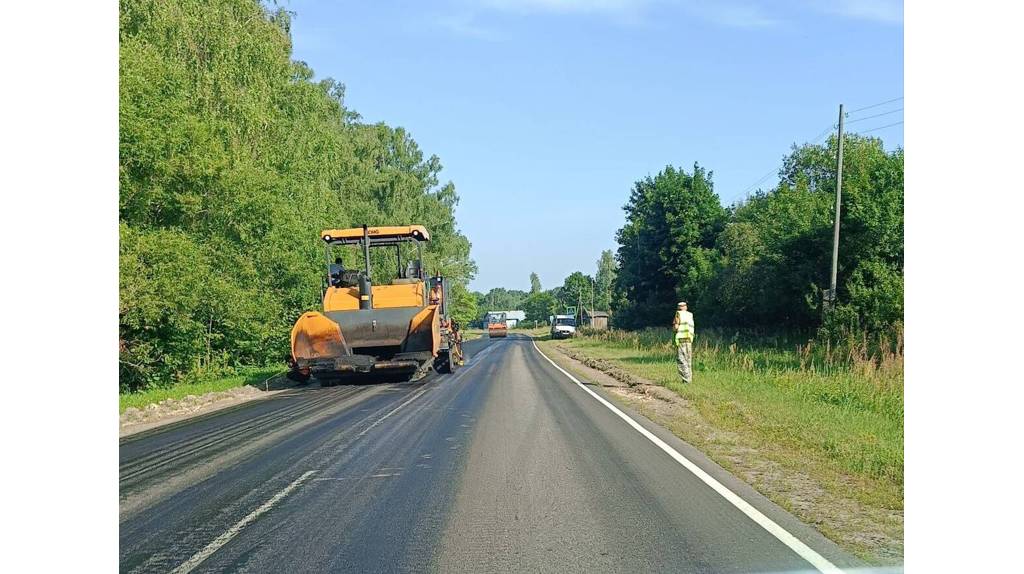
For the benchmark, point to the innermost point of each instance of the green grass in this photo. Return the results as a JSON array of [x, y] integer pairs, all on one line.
[[139, 400], [535, 332], [835, 413]]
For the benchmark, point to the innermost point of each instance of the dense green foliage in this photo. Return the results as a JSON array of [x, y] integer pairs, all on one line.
[[539, 307], [464, 304], [667, 246], [500, 299], [232, 159], [764, 262], [576, 291]]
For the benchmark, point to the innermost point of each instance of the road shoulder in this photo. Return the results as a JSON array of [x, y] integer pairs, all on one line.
[[790, 497], [169, 411]]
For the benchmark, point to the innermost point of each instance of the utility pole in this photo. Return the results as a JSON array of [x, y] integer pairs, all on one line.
[[593, 296], [835, 226], [579, 306], [636, 282]]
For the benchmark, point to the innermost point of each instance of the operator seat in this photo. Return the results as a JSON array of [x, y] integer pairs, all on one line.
[[412, 270]]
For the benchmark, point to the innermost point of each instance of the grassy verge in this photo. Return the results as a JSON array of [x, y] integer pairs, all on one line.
[[834, 414], [140, 399], [534, 332]]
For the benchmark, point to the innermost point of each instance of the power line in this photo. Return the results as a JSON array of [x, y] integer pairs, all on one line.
[[875, 116], [875, 105], [881, 127], [831, 127], [774, 171], [758, 182], [823, 133]]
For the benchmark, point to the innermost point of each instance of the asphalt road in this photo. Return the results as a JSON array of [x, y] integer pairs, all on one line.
[[508, 465]]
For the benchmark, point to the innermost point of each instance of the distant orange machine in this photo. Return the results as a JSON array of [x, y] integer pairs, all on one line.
[[497, 326]]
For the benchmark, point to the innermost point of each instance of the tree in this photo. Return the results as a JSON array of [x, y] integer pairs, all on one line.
[[534, 283], [604, 279], [464, 304], [575, 291], [232, 159], [763, 261], [540, 306], [667, 246], [775, 255], [501, 299]]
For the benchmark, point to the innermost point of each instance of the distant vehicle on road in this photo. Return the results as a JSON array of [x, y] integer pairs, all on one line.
[[496, 325], [563, 326]]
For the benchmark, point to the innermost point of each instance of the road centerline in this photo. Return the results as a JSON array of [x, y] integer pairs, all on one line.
[[395, 410], [476, 360], [232, 532]]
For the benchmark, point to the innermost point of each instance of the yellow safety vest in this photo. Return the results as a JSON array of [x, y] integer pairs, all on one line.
[[684, 326]]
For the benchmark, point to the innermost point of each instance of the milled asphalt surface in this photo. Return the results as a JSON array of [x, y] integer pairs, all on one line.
[[505, 466]]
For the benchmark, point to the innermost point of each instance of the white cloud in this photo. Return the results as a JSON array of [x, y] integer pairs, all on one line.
[[888, 11], [732, 13], [736, 15]]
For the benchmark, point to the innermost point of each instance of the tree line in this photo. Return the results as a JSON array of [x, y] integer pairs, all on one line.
[[761, 263], [764, 261], [232, 159], [578, 290]]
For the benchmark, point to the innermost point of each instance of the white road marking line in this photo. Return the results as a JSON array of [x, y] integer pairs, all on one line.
[[223, 539], [794, 543], [396, 409], [426, 388], [478, 357], [335, 478]]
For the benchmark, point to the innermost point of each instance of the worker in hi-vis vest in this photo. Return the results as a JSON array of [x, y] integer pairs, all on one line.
[[683, 327]]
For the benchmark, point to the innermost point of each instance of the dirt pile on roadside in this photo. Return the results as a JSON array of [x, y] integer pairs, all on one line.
[[186, 406], [603, 366], [621, 382]]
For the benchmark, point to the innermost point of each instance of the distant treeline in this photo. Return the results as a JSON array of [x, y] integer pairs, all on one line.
[[761, 263], [578, 290], [232, 159], [764, 261]]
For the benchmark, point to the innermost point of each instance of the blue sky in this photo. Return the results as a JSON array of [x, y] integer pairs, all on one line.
[[544, 112]]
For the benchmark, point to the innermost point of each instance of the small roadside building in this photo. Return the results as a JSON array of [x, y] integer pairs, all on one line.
[[513, 318], [595, 319]]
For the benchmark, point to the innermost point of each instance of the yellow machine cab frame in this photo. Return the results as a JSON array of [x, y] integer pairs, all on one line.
[[349, 290]]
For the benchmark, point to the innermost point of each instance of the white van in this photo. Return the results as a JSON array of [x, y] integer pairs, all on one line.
[[563, 326]]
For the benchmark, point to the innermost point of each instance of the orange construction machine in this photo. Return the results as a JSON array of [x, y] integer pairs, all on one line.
[[497, 325], [402, 325]]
